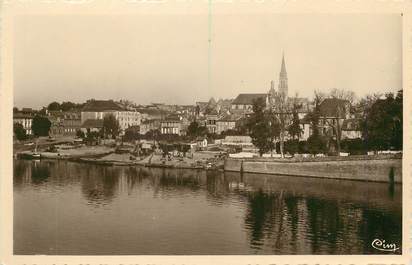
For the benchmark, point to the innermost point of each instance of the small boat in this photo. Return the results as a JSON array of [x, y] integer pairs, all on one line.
[[28, 155]]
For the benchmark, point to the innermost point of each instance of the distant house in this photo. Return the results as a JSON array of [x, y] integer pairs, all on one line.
[[351, 129], [172, 124], [244, 102], [201, 143], [228, 122], [64, 122], [149, 125], [305, 125], [25, 119], [98, 109], [71, 122], [211, 118], [332, 112]]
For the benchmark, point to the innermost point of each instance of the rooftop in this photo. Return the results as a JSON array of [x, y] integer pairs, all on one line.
[[331, 107], [247, 99], [101, 105]]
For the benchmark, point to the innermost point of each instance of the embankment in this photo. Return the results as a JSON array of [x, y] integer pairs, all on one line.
[[364, 168]]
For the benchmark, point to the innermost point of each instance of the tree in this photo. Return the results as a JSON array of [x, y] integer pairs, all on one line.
[[294, 129], [40, 126], [15, 110], [66, 106], [111, 126], [80, 134], [192, 129], [274, 128], [131, 135], [54, 106], [383, 124], [348, 96], [262, 127], [343, 94], [19, 131], [92, 136], [195, 130], [315, 143], [282, 113]]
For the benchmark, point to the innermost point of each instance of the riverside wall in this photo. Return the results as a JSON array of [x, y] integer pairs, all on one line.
[[358, 168]]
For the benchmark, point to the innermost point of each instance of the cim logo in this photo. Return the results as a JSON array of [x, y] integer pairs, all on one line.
[[383, 246]]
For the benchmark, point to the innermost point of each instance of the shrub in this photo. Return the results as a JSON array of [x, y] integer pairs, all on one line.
[[292, 146]]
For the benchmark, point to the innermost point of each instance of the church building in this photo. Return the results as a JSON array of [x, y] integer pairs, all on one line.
[[243, 103]]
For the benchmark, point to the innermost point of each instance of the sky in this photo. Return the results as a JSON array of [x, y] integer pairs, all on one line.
[[168, 58]]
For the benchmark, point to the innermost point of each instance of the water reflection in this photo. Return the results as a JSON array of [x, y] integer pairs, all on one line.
[[230, 213], [99, 184]]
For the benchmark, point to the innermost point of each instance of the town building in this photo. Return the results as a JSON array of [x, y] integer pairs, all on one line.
[[98, 109], [25, 119], [64, 123], [71, 122], [333, 112], [243, 103], [211, 119], [274, 99], [228, 122], [306, 128], [351, 129], [173, 124], [149, 125]]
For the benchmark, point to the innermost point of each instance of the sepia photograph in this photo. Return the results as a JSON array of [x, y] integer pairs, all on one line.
[[208, 134]]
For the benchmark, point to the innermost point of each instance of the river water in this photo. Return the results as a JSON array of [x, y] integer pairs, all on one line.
[[68, 208]]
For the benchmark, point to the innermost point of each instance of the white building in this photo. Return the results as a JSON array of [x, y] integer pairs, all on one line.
[[25, 120], [98, 109]]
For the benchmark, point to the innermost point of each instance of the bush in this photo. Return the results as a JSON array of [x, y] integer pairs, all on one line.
[[316, 144], [80, 134], [303, 147], [131, 136], [292, 146], [19, 132], [353, 146]]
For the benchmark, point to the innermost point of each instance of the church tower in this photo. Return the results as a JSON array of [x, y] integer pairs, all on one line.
[[283, 79]]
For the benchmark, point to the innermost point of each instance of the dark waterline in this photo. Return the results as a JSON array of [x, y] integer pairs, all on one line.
[[66, 208]]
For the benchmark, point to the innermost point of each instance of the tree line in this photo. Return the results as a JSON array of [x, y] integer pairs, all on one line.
[[380, 124]]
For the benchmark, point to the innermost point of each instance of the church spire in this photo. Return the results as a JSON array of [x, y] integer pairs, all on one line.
[[283, 67], [283, 78]]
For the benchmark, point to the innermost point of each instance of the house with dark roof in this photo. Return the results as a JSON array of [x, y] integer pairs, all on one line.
[[333, 112], [335, 108], [98, 109], [243, 103]]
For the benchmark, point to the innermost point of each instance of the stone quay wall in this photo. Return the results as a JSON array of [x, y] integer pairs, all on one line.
[[360, 168]]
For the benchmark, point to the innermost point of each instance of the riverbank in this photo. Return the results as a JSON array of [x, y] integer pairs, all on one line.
[[199, 160], [72, 153], [380, 168]]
